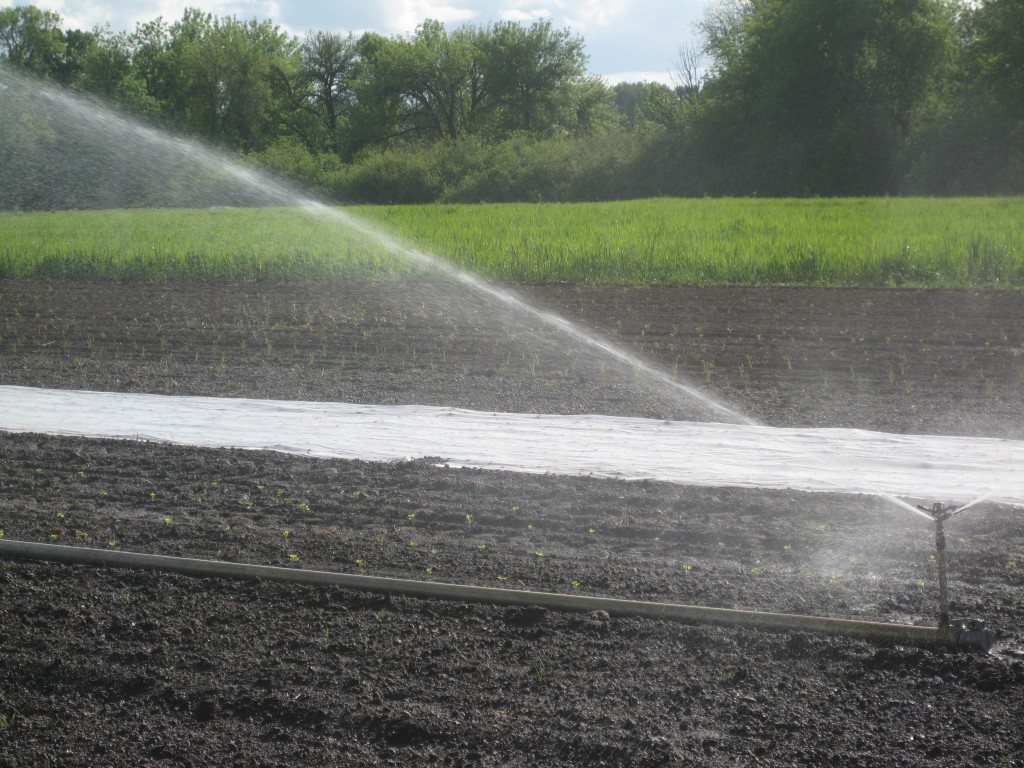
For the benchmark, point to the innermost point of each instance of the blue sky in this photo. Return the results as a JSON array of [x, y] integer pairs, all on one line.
[[625, 39]]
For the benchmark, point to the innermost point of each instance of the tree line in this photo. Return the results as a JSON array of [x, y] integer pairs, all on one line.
[[781, 98]]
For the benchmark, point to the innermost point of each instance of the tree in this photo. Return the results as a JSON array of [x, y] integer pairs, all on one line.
[[641, 103], [440, 75], [328, 68], [222, 77], [972, 139], [691, 72], [997, 50], [809, 97], [149, 48], [31, 39], [526, 68]]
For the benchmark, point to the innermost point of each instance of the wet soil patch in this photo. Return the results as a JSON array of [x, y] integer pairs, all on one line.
[[125, 668]]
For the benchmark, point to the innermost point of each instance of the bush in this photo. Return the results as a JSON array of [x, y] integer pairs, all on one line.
[[391, 177], [616, 164]]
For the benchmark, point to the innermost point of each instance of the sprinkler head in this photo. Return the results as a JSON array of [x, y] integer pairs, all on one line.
[[939, 511]]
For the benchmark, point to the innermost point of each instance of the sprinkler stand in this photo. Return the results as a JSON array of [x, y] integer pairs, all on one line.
[[968, 634]]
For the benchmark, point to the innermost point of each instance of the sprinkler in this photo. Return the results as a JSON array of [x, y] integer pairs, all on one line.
[[967, 634]]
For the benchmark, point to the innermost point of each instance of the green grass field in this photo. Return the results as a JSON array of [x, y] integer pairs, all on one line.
[[868, 242]]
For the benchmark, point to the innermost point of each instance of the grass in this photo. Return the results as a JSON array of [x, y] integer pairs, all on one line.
[[867, 242], [206, 244]]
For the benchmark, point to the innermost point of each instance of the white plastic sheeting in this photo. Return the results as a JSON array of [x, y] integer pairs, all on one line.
[[917, 466]]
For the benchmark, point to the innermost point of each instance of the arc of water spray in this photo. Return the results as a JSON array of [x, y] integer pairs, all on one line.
[[249, 178], [285, 194], [509, 299]]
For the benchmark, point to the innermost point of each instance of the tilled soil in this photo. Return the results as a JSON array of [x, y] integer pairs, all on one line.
[[125, 668]]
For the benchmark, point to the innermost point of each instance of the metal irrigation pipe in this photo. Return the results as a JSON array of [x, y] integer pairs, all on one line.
[[468, 593]]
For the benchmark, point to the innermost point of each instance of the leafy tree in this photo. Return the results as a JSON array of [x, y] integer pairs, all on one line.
[[971, 141], [525, 69], [149, 48], [328, 64], [438, 73], [997, 50], [429, 86], [222, 77], [31, 39], [640, 103], [817, 98], [380, 115], [588, 106]]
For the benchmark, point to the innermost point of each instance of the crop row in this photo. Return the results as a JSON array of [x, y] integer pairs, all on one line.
[[866, 242]]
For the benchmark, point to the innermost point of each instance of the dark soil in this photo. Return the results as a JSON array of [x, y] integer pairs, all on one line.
[[106, 667]]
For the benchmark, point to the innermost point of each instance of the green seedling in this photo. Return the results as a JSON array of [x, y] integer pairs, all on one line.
[[686, 567], [576, 584], [287, 534], [168, 520], [360, 562], [756, 571], [293, 556]]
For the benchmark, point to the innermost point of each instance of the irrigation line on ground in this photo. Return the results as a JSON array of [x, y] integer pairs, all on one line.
[[469, 593]]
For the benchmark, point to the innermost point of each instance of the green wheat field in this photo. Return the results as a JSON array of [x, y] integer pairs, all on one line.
[[977, 242]]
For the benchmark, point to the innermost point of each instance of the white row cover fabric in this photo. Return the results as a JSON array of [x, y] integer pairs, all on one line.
[[912, 466]]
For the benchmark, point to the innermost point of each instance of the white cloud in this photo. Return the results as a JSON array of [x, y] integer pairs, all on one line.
[[403, 16], [588, 14], [664, 77], [524, 17]]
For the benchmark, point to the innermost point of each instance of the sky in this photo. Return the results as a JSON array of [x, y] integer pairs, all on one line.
[[626, 40]]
